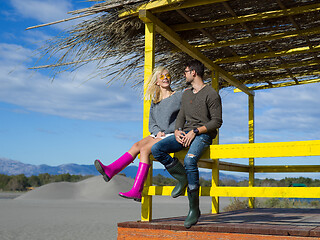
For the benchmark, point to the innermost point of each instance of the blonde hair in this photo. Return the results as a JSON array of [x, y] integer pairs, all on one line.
[[153, 90]]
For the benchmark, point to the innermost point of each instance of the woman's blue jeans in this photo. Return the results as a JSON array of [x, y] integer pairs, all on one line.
[[161, 151]]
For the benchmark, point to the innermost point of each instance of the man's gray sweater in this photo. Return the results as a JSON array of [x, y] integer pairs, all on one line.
[[200, 109]]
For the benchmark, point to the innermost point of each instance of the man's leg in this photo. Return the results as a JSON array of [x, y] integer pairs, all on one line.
[[197, 147]]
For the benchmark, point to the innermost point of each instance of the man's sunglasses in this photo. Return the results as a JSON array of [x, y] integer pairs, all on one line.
[[163, 76]]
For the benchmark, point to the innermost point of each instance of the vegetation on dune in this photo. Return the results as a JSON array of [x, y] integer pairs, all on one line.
[[23, 183]]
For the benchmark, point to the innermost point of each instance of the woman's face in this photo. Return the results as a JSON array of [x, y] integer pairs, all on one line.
[[164, 79]]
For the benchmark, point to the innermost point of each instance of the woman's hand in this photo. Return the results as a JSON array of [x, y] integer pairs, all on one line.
[[179, 136], [160, 134]]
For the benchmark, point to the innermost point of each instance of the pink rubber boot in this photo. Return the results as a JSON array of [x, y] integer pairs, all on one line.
[[136, 190], [117, 166]]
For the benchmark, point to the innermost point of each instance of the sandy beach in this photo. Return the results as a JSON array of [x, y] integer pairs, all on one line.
[[89, 209]]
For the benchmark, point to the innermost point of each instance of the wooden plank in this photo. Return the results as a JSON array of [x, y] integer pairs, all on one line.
[[166, 5], [247, 18], [259, 150]]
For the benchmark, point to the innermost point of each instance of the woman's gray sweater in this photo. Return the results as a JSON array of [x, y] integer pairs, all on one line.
[[163, 115]]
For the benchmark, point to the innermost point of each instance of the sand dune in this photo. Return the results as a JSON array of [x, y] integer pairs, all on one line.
[[89, 209], [91, 189]]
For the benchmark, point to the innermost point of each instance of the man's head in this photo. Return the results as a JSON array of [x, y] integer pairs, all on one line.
[[193, 68]]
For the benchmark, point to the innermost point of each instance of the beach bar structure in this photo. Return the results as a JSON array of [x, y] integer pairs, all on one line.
[[281, 41], [248, 45]]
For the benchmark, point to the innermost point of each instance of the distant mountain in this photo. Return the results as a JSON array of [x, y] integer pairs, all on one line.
[[11, 167]]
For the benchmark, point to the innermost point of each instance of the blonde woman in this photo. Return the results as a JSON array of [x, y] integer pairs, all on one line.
[[163, 112]]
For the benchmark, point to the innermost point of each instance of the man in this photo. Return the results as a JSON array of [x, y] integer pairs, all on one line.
[[197, 122]]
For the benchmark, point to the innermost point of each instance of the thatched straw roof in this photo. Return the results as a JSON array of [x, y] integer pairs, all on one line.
[[256, 42]]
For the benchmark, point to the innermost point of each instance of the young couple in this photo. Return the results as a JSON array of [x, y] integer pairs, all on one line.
[[177, 120]]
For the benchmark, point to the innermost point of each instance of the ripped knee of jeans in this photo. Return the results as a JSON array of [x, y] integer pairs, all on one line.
[[190, 155]]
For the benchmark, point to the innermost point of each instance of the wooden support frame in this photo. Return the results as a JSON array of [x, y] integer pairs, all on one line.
[[211, 158], [285, 84], [259, 56], [146, 206], [168, 5], [247, 18], [262, 150], [288, 34], [174, 38], [283, 76], [251, 140], [215, 162], [278, 67]]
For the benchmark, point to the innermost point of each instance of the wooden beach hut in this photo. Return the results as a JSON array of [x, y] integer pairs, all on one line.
[[248, 45]]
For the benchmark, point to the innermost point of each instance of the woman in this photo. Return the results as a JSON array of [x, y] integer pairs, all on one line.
[[163, 112]]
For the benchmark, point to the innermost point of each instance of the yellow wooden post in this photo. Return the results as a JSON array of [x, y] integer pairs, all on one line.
[[215, 165], [146, 202], [251, 140]]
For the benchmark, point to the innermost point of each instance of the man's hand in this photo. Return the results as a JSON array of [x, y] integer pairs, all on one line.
[[188, 138], [179, 136], [160, 134]]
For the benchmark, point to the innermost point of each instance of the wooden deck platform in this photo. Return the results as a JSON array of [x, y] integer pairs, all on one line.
[[243, 224]]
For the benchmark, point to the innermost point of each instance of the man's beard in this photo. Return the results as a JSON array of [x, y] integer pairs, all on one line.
[[188, 84]]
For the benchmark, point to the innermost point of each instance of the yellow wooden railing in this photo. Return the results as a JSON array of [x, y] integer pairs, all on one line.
[[251, 150]]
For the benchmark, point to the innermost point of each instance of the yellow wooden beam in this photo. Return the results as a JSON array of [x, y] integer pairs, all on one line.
[[276, 192], [233, 167], [285, 84], [282, 35], [215, 201], [183, 45], [167, 5], [246, 18], [309, 74], [149, 60], [260, 150], [278, 67], [259, 56], [251, 201], [289, 168]]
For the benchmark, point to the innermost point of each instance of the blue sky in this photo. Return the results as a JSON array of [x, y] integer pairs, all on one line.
[[77, 118]]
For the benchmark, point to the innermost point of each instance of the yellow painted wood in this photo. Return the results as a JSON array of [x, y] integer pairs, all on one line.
[[234, 167], [146, 206], [215, 183], [287, 168], [259, 150], [251, 200], [247, 18], [277, 67], [258, 56], [269, 37], [306, 74], [168, 5], [286, 84], [183, 45], [276, 192], [215, 162]]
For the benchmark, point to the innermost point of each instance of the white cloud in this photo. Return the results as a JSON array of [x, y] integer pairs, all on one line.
[[69, 95], [42, 10]]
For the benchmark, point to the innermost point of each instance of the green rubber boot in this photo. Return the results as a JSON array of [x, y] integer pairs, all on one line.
[[176, 169], [194, 210]]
